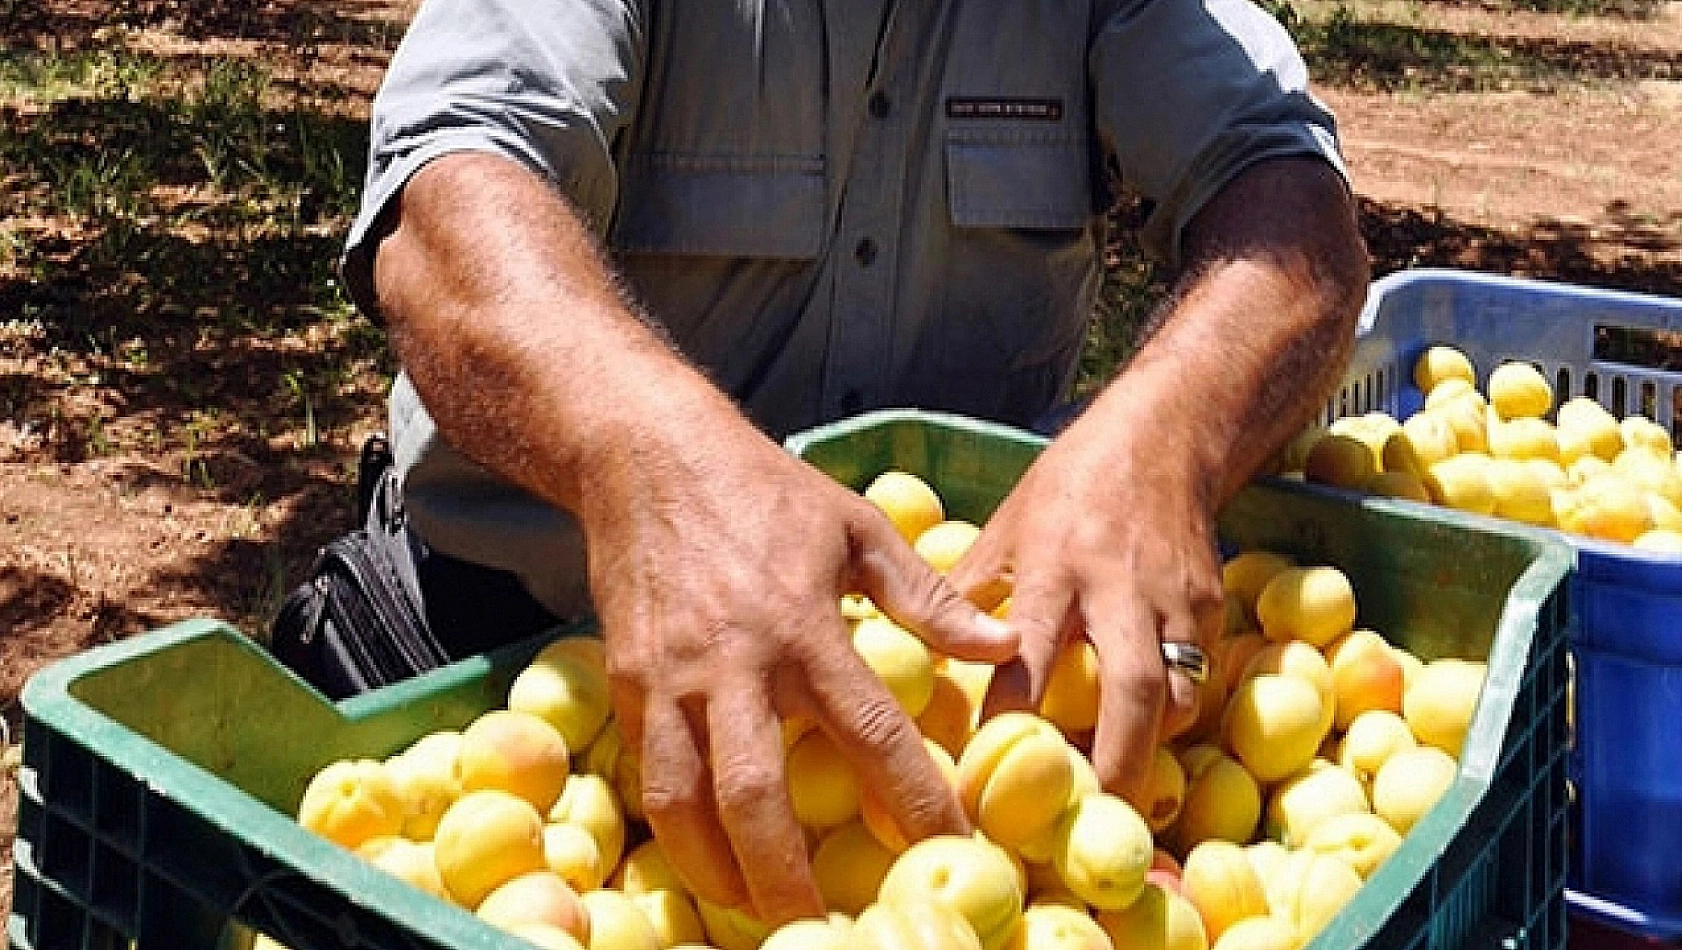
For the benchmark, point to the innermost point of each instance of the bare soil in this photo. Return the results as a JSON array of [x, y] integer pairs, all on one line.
[[127, 503]]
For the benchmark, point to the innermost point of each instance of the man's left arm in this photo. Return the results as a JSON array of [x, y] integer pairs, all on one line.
[[1109, 535]]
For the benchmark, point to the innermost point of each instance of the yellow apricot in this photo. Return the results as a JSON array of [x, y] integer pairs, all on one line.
[[1309, 889], [1014, 777], [1104, 850], [1585, 428], [1315, 603], [673, 915], [351, 801], [1365, 675], [1519, 390], [1441, 701], [1222, 800], [588, 801], [1248, 571], [1300, 803], [1264, 932], [618, 922], [943, 544], [1371, 738], [425, 775], [1070, 701], [406, 860], [909, 502], [899, 659], [1159, 920], [920, 925], [487, 837], [1640, 431], [1274, 724], [1222, 884], [536, 897], [566, 686], [1424, 439], [1363, 840], [1301, 659], [1339, 460], [1523, 438], [571, 851], [1442, 362], [954, 709], [849, 864], [969, 875], [1409, 783], [516, 752], [1164, 791], [833, 932], [1462, 482]]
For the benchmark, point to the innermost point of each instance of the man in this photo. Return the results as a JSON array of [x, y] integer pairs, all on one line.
[[623, 247]]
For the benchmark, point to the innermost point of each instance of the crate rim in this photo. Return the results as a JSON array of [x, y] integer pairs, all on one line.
[[1383, 287]]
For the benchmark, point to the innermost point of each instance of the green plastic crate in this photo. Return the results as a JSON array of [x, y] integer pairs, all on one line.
[[160, 772]]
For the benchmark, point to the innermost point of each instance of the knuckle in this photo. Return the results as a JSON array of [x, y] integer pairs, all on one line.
[[879, 723], [670, 793], [744, 785], [1145, 684]]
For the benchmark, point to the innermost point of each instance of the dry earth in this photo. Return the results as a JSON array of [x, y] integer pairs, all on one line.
[[127, 524]]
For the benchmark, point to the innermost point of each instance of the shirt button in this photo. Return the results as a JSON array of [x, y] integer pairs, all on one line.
[[865, 252], [879, 105]]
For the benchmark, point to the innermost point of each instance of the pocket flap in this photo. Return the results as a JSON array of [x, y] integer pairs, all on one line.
[[1040, 183], [729, 207]]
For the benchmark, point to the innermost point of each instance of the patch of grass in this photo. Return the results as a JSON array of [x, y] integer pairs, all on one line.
[[177, 221], [1132, 289], [1347, 46]]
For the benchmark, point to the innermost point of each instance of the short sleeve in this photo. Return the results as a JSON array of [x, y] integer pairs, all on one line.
[[548, 84], [1188, 93]]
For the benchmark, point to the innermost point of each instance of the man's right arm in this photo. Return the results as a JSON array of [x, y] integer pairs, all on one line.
[[716, 559], [482, 264]]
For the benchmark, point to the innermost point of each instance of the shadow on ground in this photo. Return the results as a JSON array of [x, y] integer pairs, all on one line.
[[1391, 57], [1626, 253], [299, 23]]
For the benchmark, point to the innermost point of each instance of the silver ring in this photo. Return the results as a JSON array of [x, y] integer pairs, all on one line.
[[1188, 658]]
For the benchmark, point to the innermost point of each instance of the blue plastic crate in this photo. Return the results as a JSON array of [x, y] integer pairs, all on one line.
[[1627, 604]]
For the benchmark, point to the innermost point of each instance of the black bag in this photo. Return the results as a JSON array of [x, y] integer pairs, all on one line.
[[359, 622]]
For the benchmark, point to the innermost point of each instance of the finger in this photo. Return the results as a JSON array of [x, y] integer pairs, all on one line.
[[983, 575], [1133, 688], [914, 594], [1040, 613], [1180, 705], [677, 798], [750, 787], [883, 746]]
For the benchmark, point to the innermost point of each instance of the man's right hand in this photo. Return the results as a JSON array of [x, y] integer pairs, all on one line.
[[717, 559], [718, 568]]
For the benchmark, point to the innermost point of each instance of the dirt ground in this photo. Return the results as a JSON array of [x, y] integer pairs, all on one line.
[[1578, 180]]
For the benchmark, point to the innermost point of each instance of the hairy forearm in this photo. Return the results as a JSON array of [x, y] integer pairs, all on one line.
[[1258, 330], [505, 316]]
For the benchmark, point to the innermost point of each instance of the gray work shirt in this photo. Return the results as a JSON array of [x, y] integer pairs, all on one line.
[[832, 206]]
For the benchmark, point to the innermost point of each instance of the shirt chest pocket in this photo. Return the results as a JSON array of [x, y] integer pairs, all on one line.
[[722, 206], [1005, 180]]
